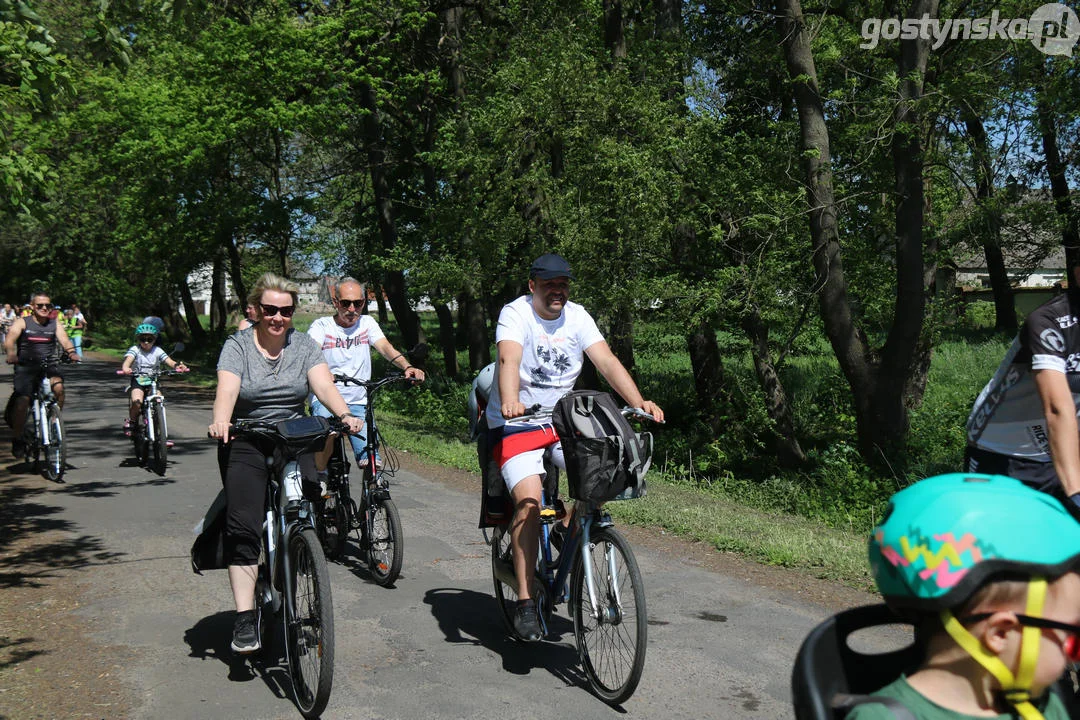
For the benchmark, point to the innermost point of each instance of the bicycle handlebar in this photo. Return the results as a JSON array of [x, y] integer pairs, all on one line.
[[537, 410], [270, 427], [372, 384], [155, 375]]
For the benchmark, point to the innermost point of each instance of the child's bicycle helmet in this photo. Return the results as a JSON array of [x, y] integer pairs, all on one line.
[[146, 329], [943, 538]]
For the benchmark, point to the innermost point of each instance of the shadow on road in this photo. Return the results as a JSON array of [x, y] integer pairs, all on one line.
[[210, 637], [465, 616], [30, 552]]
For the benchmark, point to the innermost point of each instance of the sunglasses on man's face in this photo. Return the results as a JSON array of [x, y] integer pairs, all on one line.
[[272, 310], [42, 306], [1071, 646], [146, 338], [350, 304]]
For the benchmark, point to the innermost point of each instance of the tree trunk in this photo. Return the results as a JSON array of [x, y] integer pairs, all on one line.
[[236, 266], [622, 337], [219, 309], [848, 342], [191, 315], [990, 225], [708, 375], [475, 332], [380, 304], [394, 281], [446, 339], [1059, 185], [897, 374], [877, 390], [785, 444], [614, 38]]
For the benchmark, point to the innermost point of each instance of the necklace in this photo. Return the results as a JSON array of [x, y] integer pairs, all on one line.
[[273, 362]]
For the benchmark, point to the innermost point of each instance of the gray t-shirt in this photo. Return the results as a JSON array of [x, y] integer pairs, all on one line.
[[270, 389]]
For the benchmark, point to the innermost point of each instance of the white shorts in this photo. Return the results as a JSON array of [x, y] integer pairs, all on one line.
[[531, 462]]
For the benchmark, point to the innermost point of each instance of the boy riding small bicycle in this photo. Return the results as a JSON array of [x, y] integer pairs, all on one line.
[[141, 359]]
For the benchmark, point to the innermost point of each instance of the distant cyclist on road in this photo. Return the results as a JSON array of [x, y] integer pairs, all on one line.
[[7, 317], [541, 341], [1024, 422], [144, 358], [346, 339], [31, 340]]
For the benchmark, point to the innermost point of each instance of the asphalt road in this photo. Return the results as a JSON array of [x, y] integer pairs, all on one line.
[[430, 647]]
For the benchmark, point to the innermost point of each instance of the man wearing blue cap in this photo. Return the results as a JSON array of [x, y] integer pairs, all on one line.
[[541, 341]]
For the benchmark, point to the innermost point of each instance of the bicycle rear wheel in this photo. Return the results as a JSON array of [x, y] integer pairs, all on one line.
[[56, 448], [310, 633], [611, 636], [161, 439], [385, 541]]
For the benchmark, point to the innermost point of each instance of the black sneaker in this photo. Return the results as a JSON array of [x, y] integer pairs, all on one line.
[[526, 623], [245, 636]]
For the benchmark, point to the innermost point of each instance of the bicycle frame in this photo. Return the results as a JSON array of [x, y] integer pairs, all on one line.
[[42, 399], [151, 398]]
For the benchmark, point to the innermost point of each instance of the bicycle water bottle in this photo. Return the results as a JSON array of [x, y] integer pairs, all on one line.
[[293, 479]]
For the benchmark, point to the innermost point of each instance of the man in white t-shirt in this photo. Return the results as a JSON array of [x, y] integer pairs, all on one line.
[[346, 339], [541, 341]]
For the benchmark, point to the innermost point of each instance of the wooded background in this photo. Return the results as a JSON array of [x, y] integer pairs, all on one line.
[[721, 169]]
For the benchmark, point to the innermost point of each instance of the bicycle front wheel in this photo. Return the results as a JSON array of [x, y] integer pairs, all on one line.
[[56, 447], [386, 541], [611, 635], [334, 524], [310, 632], [161, 439]]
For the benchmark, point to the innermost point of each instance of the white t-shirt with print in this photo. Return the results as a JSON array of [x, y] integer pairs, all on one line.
[[146, 361], [552, 352], [348, 351]]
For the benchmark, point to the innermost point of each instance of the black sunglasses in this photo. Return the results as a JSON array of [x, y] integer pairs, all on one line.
[[1072, 643], [146, 338], [42, 306], [350, 303], [272, 310]]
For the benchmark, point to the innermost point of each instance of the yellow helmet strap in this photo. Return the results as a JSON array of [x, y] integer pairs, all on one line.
[[1016, 688]]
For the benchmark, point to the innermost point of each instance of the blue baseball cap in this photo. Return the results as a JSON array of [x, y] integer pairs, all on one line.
[[550, 266]]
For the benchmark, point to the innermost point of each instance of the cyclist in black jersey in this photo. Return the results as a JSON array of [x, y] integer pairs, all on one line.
[[1024, 421], [30, 340]]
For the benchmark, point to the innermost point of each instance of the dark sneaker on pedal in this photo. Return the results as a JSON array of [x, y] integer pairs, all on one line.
[[245, 636], [526, 622]]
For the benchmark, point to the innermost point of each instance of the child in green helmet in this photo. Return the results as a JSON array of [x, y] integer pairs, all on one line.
[[988, 569], [143, 358]]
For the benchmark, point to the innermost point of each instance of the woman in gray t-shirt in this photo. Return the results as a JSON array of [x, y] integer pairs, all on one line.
[[265, 372]]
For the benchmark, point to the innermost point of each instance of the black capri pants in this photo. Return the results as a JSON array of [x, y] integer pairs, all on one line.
[[244, 474]]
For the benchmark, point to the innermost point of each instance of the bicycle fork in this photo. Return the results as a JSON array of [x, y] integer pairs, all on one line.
[[609, 613]]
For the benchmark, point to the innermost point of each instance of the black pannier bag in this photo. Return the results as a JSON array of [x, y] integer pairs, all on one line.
[[208, 550], [605, 458]]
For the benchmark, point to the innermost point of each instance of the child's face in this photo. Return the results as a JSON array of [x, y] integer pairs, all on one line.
[[1062, 605]]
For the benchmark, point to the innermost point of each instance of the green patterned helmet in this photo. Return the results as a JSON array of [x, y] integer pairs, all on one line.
[[146, 329], [945, 536]]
